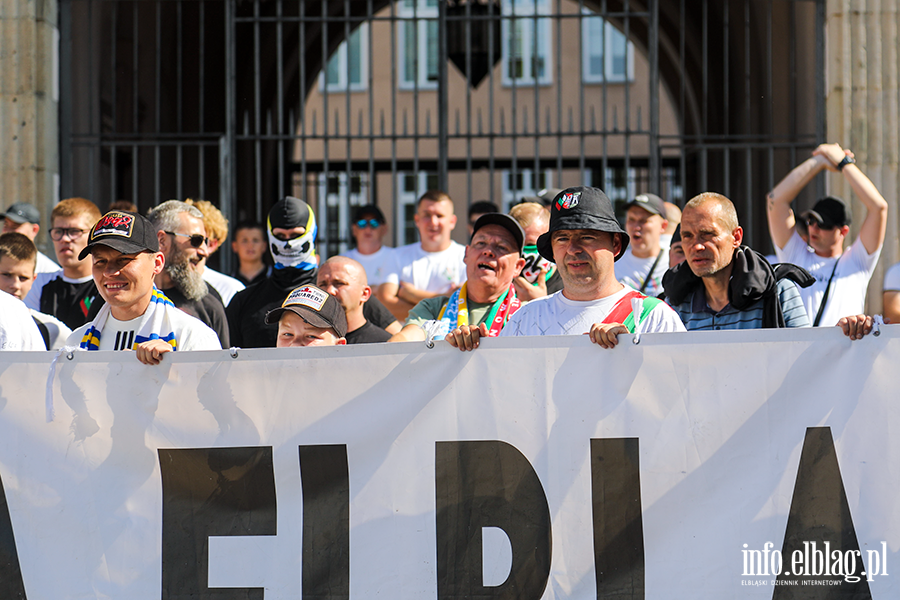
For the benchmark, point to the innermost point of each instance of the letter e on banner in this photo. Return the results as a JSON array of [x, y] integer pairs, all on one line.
[[211, 491]]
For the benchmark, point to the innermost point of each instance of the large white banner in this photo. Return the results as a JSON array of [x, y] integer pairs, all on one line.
[[707, 465]]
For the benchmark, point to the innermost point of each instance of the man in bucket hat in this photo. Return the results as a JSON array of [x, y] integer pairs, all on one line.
[[584, 241], [125, 257]]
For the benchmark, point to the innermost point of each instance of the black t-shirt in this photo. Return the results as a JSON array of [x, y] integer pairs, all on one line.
[[247, 310], [72, 303], [367, 334], [261, 276], [377, 313], [208, 309]]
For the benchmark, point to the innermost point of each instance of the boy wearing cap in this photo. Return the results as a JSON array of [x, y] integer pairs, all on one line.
[[842, 276], [368, 229], [486, 301], [643, 265], [125, 257], [24, 218], [309, 316], [292, 241], [584, 241]]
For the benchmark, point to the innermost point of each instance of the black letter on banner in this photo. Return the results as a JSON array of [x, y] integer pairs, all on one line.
[[618, 525], [326, 521], [11, 584], [211, 491], [489, 484], [820, 513]]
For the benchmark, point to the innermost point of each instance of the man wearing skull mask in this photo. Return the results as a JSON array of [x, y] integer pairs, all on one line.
[[292, 241]]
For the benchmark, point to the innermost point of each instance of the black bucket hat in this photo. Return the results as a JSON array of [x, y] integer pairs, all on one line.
[[581, 208]]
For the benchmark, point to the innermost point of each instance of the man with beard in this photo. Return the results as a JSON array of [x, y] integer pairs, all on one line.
[[292, 241], [183, 242]]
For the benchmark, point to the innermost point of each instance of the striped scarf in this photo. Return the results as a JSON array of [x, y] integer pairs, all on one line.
[[155, 324]]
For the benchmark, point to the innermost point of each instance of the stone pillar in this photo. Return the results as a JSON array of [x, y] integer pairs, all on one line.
[[29, 99], [862, 87]]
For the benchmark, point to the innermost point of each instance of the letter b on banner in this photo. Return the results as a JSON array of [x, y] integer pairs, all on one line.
[[489, 484]]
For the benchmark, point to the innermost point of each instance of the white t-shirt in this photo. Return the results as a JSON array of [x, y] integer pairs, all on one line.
[[192, 334], [557, 315], [17, 329], [375, 264], [632, 271], [433, 272], [225, 285], [59, 331], [892, 279], [847, 295], [45, 265]]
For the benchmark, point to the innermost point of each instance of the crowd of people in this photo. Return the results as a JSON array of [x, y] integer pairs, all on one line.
[[558, 264]]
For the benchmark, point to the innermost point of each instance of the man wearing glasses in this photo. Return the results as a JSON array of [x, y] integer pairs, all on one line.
[[842, 276], [183, 242], [69, 294], [368, 229]]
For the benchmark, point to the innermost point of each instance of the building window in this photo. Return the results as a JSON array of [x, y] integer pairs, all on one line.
[[339, 192], [418, 44], [526, 42], [607, 55], [410, 187], [348, 66], [524, 182]]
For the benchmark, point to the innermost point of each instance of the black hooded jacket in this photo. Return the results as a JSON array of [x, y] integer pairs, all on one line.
[[247, 310], [752, 279]]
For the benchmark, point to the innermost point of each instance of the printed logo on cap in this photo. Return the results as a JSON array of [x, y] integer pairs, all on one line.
[[568, 200], [642, 198], [307, 296], [114, 224]]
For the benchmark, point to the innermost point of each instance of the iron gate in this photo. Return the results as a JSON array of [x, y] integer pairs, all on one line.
[[344, 102]]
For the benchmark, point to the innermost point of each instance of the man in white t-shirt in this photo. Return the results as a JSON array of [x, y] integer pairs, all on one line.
[[584, 241], [643, 264], [368, 229], [842, 276], [428, 268], [125, 257]]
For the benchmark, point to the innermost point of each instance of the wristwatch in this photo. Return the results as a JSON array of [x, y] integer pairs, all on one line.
[[848, 160]]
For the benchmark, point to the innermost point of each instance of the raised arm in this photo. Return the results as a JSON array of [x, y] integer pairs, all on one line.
[[871, 233], [778, 202]]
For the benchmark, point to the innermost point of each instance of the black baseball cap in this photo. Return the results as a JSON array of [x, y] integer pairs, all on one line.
[[369, 210], [581, 208], [22, 212], [288, 213], [127, 232], [315, 306], [504, 221], [652, 203], [829, 212]]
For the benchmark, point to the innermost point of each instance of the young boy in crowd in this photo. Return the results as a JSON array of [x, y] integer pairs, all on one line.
[[309, 316]]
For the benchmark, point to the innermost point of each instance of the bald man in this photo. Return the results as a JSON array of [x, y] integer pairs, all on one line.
[[345, 279]]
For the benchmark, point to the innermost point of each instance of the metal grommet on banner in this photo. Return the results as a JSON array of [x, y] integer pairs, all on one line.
[[637, 339], [233, 351], [70, 356], [877, 322]]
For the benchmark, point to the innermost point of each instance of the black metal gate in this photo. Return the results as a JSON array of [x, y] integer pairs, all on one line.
[[344, 102]]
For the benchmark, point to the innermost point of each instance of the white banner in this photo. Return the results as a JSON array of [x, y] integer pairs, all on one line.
[[687, 466]]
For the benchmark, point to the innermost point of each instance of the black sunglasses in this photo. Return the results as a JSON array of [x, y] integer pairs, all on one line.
[[373, 223], [811, 220], [197, 240]]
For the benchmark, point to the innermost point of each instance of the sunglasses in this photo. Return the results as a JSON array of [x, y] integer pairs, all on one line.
[[197, 240], [373, 223], [811, 220]]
